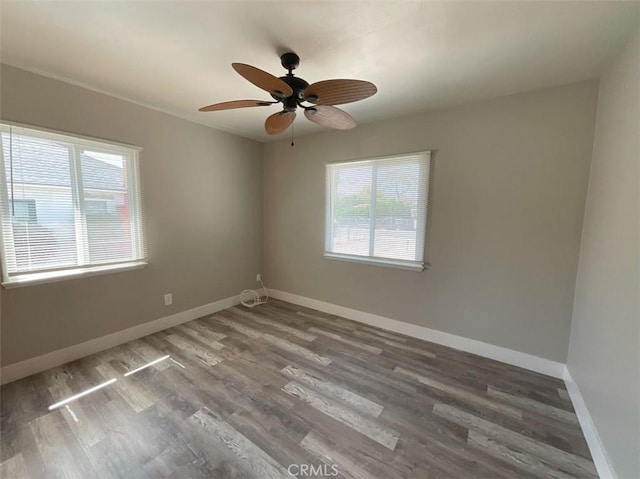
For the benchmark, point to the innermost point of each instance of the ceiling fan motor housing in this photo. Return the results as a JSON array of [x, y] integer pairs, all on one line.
[[298, 85]]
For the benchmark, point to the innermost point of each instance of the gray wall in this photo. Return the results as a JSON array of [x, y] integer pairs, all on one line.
[[202, 192], [604, 354], [509, 184]]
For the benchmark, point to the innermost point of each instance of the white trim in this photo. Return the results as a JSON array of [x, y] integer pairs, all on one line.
[[596, 447], [421, 158], [389, 263], [29, 279], [409, 156], [498, 353], [63, 137], [13, 274], [555, 369], [38, 364]]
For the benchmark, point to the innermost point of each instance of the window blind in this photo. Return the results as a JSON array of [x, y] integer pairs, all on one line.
[[67, 203], [377, 210]]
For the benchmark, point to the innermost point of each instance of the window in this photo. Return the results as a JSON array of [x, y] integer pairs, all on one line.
[[68, 206], [377, 210], [24, 211]]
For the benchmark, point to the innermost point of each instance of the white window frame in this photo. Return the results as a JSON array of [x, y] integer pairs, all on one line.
[[421, 219], [76, 143]]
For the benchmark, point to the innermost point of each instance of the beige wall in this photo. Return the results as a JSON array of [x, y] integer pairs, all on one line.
[[202, 192], [604, 354], [509, 184]]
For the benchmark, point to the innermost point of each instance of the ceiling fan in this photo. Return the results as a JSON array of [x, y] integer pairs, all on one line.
[[293, 92]]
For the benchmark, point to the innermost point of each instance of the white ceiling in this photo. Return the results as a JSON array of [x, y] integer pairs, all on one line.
[[176, 56]]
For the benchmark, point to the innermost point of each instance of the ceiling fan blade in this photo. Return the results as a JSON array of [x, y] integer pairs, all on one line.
[[230, 105], [278, 122], [330, 116], [337, 92], [263, 80]]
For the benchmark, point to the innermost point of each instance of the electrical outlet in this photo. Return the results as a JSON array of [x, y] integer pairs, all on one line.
[[258, 277], [168, 299]]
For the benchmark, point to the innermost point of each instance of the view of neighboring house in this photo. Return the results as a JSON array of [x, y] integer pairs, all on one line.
[[46, 198]]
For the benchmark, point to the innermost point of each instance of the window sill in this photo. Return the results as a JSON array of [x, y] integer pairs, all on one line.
[[50, 277], [389, 263]]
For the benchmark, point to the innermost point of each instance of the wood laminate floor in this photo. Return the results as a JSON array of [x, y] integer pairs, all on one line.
[[259, 393]]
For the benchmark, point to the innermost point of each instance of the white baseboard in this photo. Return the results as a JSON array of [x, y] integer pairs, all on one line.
[[505, 355], [598, 452], [555, 369], [38, 364]]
